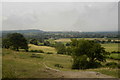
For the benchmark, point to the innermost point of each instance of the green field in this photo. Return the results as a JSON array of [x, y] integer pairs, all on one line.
[[114, 56], [110, 47], [24, 64], [68, 39]]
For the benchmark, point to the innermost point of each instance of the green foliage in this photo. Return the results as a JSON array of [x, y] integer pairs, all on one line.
[[80, 62], [6, 43], [36, 56], [61, 49], [115, 52], [39, 51], [34, 41], [15, 41], [46, 43], [89, 52], [112, 65], [49, 53], [68, 51]]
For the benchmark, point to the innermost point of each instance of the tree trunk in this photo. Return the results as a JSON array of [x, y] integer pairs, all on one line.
[[17, 49]]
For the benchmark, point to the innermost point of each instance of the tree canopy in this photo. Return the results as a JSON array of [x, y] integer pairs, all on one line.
[[86, 54], [15, 41]]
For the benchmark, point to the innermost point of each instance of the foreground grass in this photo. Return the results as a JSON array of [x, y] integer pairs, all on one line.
[[22, 65], [107, 71]]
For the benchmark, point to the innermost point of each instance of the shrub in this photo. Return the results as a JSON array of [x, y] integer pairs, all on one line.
[[39, 51], [49, 53], [35, 56], [60, 47], [112, 65], [58, 65], [80, 62], [94, 65], [115, 52]]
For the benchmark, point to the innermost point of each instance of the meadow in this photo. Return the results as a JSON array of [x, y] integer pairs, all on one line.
[[24, 64]]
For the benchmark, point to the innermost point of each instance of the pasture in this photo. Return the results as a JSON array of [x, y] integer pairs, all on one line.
[[68, 39], [44, 48], [24, 64], [111, 47]]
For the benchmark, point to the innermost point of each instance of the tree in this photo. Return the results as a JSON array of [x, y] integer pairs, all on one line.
[[6, 43], [88, 52], [17, 41], [34, 41], [46, 43], [61, 49]]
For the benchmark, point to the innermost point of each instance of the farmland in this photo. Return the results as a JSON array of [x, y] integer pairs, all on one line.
[[23, 64], [44, 48]]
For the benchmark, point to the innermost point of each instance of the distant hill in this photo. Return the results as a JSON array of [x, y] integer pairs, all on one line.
[[24, 31], [34, 33]]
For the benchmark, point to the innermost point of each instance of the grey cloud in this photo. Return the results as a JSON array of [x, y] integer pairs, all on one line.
[[61, 16]]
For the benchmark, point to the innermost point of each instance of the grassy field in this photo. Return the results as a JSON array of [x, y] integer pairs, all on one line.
[[63, 40], [114, 56], [110, 47], [24, 64], [44, 48], [68, 39]]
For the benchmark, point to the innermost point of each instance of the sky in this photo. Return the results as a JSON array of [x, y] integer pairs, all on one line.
[[60, 16]]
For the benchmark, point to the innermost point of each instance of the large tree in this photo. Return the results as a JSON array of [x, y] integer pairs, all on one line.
[[86, 54], [16, 41]]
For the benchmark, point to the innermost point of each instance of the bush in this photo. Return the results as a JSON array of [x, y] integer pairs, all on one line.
[[115, 52], [94, 65], [39, 51], [112, 65], [35, 56], [58, 65], [49, 53], [80, 62]]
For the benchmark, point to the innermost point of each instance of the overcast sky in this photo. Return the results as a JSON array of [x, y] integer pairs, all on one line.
[[60, 16]]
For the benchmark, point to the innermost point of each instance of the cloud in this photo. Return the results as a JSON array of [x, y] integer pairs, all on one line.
[[61, 16]]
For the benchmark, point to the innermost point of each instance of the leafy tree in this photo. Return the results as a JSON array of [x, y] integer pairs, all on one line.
[[46, 43], [16, 41], [6, 43], [89, 52], [34, 41], [61, 49]]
